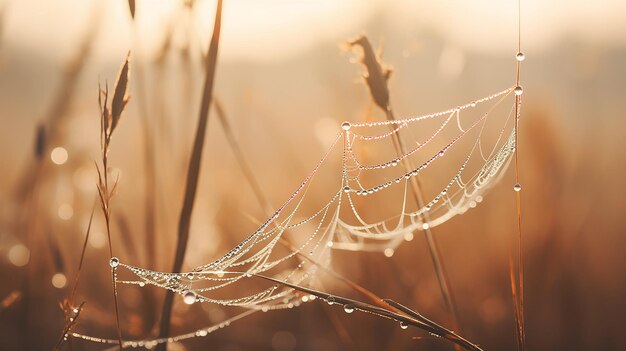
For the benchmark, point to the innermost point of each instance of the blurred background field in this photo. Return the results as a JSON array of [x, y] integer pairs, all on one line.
[[287, 81]]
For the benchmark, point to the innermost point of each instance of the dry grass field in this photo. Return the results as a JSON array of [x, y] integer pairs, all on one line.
[[148, 131]]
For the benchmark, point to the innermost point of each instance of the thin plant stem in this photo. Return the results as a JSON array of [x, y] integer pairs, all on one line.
[[517, 283], [193, 172], [376, 80]]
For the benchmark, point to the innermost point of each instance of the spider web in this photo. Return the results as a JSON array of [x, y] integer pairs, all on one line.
[[464, 150]]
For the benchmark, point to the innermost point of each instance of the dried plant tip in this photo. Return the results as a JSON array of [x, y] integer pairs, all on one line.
[[40, 141], [131, 7], [120, 95], [377, 72]]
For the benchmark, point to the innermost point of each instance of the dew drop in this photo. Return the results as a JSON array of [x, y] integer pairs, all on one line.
[[473, 104], [425, 226], [408, 236], [518, 90], [345, 126], [189, 297], [346, 189], [517, 187], [403, 325], [348, 308], [520, 56], [388, 252], [330, 300], [114, 262]]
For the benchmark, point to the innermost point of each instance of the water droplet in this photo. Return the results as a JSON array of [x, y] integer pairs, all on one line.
[[330, 300], [441, 153], [408, 236], [346, 189], [425, 226], [473, 104], [403, 325], [348, 308], [388, 252], [517, 187], [345, 126], [520, 56], [518, 90], [114, 262], [142, 284], [189, 297], [330, 244]]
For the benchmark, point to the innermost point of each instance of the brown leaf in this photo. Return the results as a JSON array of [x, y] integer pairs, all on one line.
[[120, 95], [131, 7]]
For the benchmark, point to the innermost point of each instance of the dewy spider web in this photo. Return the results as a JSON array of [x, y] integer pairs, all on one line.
[[341, 222]]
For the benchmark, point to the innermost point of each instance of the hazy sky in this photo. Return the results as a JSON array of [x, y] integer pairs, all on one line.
[[275, 29]]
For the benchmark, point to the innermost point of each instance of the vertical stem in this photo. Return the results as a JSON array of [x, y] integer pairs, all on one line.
[[193, 172], [518, 294], [106, 209], [442, 277]]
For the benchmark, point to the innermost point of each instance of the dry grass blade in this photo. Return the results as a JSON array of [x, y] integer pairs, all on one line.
[[131, 8], [109, 118], [376, 78], [193, 170], [72, 311], [120, 95], [430, 327]]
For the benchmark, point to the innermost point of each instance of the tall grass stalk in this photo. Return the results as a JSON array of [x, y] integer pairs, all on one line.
[[518, 292], [109, 120], [193, 171], [376, 79]]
